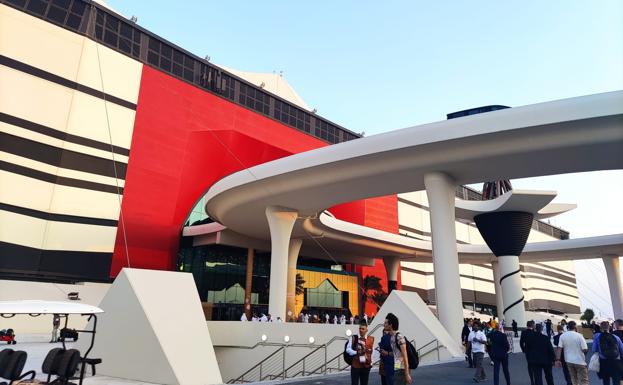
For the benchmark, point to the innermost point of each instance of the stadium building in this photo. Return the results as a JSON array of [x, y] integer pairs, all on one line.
[[111, 136]]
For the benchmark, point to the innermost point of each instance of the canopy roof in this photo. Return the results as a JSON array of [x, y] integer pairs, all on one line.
[[46, 307]]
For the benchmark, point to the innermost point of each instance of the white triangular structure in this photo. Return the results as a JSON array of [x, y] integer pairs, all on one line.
[[154, 330], [419, 323]]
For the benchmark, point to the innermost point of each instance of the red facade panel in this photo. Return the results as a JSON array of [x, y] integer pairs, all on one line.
[[186, 139]]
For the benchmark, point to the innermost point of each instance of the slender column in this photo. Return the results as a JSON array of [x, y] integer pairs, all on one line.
[[440, 189], [392, 265], [293, 255], [248, 284], [512, 292], [611, 263], [499, 300], [280, 222]]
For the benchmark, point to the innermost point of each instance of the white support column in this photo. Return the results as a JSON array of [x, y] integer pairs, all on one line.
[[611, 263], [512, 291], [499, 301], [392, 265], [280, 222], [293, 256], [440, 189]]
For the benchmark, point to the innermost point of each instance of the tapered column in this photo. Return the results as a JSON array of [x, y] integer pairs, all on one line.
[[280, 222], [440, 189], [512, 292], [248, 284], [499, 301], [611, 263], [293, 255], [392, 265]]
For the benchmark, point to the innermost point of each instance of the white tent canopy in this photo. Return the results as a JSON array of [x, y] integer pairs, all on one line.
[[46, 307]]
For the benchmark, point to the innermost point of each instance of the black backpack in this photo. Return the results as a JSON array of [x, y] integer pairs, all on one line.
[[608, 346], [347, 357], [412, 355]]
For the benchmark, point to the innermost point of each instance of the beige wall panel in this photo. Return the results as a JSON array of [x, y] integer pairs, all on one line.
[[83, 202], [76, 236], [34, 41], [414, 280], [121, 75], [32, 193], [44, 167], [34, 99], [474, 284], [21, 229], [541, 294], [41, 138], [88, 119], [536, 236], [27, 192]]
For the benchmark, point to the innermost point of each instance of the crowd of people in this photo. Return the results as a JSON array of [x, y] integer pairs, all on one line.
[[311, 318], [547, 346]]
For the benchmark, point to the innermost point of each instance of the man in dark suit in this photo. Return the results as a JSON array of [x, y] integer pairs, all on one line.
[[499, 355], [524, 342], [541, 356], [467, 328]]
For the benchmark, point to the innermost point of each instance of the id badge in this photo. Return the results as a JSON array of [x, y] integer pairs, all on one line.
[[397, 364]]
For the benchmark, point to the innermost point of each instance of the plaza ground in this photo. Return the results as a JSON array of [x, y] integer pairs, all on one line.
[[450, 373]]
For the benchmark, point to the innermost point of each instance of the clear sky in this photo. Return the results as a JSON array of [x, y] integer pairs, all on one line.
[[374, 67]]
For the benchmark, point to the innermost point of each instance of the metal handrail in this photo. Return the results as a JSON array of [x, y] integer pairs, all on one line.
[[324, 367]]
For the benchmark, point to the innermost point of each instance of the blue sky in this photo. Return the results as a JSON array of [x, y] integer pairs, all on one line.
[[376, 67]]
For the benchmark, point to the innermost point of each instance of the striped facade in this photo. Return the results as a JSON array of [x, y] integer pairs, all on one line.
[[67, 109], [546, 285]]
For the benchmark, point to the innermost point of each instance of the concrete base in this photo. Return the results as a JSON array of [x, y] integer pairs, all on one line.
[[153, 330]]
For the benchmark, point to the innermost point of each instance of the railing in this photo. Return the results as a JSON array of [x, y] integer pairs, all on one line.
[[268, 369], [313, 363]]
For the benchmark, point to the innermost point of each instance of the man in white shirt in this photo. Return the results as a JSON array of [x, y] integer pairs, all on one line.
[[575, 348], [477, 339], [264, 318], [243, 317]]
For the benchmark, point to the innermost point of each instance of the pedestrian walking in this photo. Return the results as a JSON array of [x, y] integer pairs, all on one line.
[[386, 367], [541, 356], [402, 372], [478, 340], [360, 348], [524, 342], [499, 355], [467, 328], [572, 348], [514, 326], [561, 358], [610, 349]]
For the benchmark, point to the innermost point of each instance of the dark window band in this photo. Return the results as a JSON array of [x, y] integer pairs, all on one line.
[[57, 217], [59, 157], [41, 129], [70, 265], [70, 182], [34, 71]]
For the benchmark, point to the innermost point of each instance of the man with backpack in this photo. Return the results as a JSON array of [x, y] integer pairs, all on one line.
[[610, 349], [405, 357], [359, 348]]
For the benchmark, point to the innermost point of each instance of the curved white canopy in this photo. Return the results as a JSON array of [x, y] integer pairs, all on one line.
[[46, 307], [529, 201], [563, 136]]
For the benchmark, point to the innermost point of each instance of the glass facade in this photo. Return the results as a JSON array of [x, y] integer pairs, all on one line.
[[220, 273], [325, 295]]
